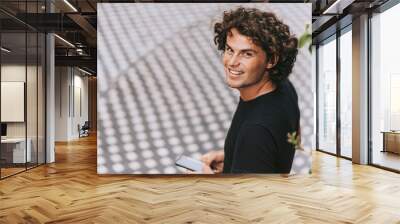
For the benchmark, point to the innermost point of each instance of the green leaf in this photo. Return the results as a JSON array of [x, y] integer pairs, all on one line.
[[305, 38]]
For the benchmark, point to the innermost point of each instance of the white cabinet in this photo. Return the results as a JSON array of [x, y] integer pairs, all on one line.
[[18, 149]]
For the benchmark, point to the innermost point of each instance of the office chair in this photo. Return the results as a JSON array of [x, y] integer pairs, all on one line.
[[84, 130]]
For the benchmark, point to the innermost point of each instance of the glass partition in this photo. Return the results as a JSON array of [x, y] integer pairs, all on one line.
[[385, 89], [13, 109], [31, 99], [346, 93], [41, 109], [32, 87], [327, 95], [22, 67]]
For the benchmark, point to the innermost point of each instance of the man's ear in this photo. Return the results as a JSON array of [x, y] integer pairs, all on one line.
[[272, 61]]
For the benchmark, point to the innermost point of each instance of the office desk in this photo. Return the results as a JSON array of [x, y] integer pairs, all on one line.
[[391, 141], [15, 148]]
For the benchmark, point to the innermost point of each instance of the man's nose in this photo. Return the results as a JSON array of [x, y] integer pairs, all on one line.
[[234, 60]]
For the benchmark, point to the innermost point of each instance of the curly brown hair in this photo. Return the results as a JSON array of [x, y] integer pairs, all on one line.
[[266, 31]]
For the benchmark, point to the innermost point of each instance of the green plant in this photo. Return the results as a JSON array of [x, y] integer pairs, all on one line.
[[305, 38], [294, 139]]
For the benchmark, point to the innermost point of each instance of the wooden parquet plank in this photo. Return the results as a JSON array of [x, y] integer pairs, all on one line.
[[70, 191]]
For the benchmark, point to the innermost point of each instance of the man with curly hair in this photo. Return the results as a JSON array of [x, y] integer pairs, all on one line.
[[258, 55]]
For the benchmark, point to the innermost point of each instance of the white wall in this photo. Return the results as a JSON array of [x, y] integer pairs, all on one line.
[[12, 73], [70, 83], [33, 126], [80, 110], [62, 81]]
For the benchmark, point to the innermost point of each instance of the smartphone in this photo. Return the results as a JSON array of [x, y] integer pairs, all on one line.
[[189, 163]]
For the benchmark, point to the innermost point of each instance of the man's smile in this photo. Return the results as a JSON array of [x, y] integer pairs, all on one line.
[[234, 72]]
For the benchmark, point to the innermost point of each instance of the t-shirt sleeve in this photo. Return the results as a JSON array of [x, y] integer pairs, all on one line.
[[255, 152]]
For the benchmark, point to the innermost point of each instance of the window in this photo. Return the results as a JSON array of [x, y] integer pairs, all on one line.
[[385, 89], [327, 96], [346, 92]]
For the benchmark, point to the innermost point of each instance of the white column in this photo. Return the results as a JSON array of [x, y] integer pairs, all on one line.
[[360, 90], [50, 93]]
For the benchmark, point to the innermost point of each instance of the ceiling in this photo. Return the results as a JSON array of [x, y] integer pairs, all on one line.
[[76, 22]]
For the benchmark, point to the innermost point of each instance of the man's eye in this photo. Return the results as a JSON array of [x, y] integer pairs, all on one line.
[[248, 54], [228, 50]]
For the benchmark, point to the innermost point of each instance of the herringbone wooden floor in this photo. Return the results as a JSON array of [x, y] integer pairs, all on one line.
[[70, 191]]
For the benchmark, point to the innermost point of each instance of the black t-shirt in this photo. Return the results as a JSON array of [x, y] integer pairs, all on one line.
[[257, 140]]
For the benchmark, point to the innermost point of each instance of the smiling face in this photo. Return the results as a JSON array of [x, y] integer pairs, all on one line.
[[245, 63]]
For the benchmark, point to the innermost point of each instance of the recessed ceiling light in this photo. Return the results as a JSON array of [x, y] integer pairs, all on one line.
[[64, 40], [84, 71], [70, 5], [337, 7], [5, 50]]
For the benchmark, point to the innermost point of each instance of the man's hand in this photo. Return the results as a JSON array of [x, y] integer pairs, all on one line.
[[205, 170], [214, 161]]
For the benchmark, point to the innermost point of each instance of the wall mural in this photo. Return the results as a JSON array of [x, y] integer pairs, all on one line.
[[161, 84]]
